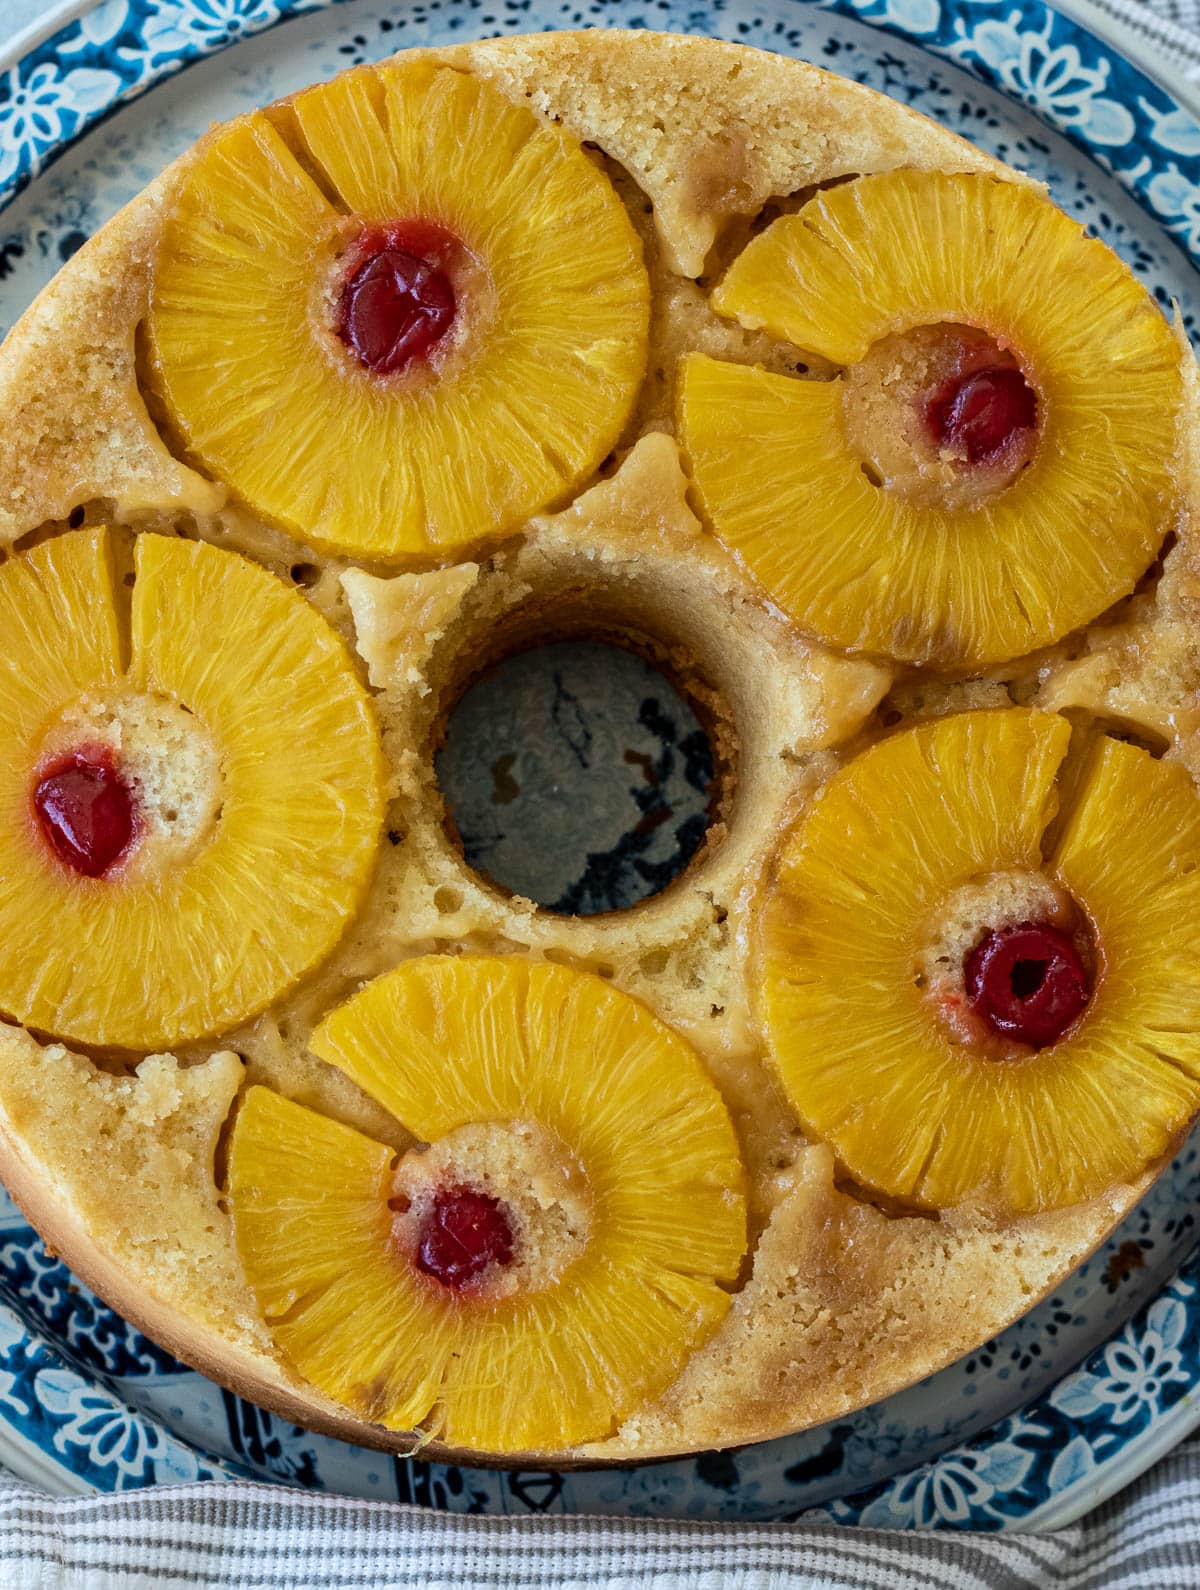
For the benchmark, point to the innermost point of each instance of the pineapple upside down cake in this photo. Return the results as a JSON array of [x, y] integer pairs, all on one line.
[[774, 381]]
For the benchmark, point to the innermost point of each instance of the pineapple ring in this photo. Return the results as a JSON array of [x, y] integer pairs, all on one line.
[[865, 567], [441, 1043], [860, 1048], [538, 378], [188, 949]]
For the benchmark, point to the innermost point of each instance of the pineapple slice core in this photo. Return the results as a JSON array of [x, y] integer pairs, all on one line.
[[86, 810], [246, 749], [168, 769], [994, 911], [398, 300], [547, 1094], [1028, 982], [464, 1236], [889, 875], [537, 1190], [934, 559], [941, 415], [399, 315]]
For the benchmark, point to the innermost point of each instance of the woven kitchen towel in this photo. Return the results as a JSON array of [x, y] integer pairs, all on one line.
[[1172, 27], [254, 1537]]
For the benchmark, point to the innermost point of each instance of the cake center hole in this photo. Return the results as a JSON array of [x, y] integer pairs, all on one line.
[[577, 775]]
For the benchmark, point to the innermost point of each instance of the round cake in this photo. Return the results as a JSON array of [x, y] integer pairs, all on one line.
[[717, 357]]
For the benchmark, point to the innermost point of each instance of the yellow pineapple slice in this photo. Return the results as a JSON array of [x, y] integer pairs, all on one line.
[[867, 1043], [544, 1093], [283, 265], [184, 835], [939, 569]]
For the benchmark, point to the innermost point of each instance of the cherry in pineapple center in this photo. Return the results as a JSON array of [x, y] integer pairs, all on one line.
[[86, 810], [125, 784], [463, 1234], [944, 415], [398, 303], [980, 414], [1027, 982]]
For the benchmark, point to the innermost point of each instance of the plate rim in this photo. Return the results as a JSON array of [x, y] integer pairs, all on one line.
[[41, 1467], [44, 27]]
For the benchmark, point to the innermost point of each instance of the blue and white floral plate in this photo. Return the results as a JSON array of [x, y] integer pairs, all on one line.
[[1073, 1401]]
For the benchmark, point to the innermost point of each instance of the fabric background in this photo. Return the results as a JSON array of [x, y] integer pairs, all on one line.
[[1171, 26], [254, 1537], [257, 1537]]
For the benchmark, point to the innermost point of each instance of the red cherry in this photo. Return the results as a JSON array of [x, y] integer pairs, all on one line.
[[86, 811], [980, 414], [1027, 982], [397, 302], [463, 1234]]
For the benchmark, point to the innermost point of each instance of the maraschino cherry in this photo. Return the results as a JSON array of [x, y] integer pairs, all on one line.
[[86, 811], [462, 1235], [980, 414], [398, 301], [1027, 982]]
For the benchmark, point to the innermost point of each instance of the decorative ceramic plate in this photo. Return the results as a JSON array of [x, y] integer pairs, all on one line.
[[1098, 1381]]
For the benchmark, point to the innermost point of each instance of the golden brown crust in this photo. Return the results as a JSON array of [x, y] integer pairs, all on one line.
[[845, 1304], [75, 425], [709, 130]]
